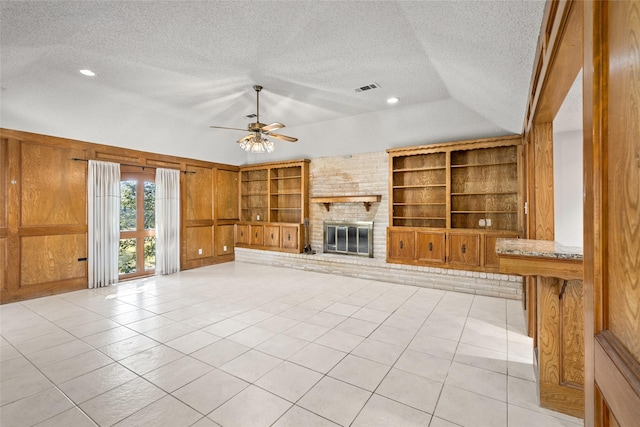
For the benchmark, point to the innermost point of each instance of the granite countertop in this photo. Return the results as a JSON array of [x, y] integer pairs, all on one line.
[[538, 248]]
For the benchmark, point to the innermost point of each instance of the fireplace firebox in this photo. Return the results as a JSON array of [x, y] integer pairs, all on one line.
[[349, 238]]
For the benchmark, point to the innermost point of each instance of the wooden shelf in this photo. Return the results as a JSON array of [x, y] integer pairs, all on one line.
[[419, 186], [434, 168], [366, 200], [419, 204], [285, 177], [483, 165]]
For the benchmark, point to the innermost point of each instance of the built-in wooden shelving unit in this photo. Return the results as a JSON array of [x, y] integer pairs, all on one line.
[[273, 205], [450, 202]]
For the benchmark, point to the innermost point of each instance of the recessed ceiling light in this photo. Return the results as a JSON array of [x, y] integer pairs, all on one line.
[[392, 100], [87, 72]]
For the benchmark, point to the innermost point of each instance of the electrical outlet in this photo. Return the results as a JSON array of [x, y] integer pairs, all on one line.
[[488, 222], [224, 248], [199, 251], [257, 217], [481, 223]]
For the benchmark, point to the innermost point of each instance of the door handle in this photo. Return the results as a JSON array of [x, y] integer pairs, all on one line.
[[288, 236], [242, 234], [401, 244], [430, 246], [464, 249], [256, 234], [271, 236]]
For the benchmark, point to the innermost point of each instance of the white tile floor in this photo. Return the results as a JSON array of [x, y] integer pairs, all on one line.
[[247, 345]]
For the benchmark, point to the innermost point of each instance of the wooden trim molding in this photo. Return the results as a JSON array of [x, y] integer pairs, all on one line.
[[568, 269], [618, 377]]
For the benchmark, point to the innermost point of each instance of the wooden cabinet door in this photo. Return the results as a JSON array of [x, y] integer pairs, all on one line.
[[290, 236], [464, 248], [272, 236], [431, 247], [401, 245], [612, 213], [242, 234], [256, 235]]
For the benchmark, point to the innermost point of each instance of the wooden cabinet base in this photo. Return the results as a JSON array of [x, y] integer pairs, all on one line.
[[270, 237], [471, 250]]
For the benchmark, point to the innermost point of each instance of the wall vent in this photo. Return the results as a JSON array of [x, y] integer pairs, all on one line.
[[367, 87]]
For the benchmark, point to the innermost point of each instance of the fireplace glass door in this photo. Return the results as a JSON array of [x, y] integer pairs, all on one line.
[[355, 238]]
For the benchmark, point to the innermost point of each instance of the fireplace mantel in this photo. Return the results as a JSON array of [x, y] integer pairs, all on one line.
[[366, 200]]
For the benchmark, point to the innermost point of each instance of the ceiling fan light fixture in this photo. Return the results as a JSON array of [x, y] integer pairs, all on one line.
[[257, 144]]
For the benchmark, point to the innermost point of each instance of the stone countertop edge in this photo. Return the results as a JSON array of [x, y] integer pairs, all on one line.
[[538, 249]]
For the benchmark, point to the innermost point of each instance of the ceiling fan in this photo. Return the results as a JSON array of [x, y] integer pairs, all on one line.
[[255, 142]]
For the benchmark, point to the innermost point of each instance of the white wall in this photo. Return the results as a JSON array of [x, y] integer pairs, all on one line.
[[567, 167], [568, 190]]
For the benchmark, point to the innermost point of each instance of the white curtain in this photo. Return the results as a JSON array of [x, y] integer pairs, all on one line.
[[103, 189], [167, 221]]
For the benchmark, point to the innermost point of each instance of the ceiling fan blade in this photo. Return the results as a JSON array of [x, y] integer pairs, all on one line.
[[222, 127], [283, 137], [272, 126]]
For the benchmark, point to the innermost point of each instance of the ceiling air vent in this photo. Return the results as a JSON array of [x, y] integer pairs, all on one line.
[[367, 87]]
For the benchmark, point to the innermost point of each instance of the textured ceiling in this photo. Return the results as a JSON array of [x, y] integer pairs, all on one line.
[[167, 70]]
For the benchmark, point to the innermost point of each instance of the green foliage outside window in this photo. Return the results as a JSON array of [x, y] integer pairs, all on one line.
[[127, 259]]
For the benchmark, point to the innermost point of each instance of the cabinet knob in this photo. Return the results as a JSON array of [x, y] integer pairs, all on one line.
[[271, 236], [401, 244], [431, 246], [464, 249], [242, 234], [288, 236], [256, 234]]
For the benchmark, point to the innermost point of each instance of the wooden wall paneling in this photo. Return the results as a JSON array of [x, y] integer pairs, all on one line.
[[623, 178], [612, 366], [4, 168], [12, 274], [572, 334], [199, 239], [224, 239], [543, 181], [52, 258], [560, 354], [4, 231], [3, 264], [44, 199], [226, 195], [618, 378], [564, 62], [593, 103], [53, 187], [199, 193]]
